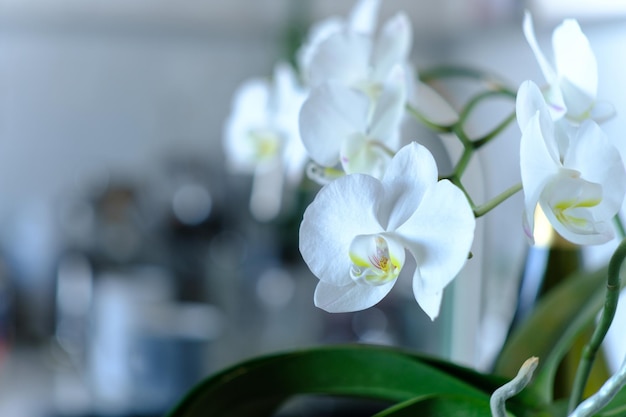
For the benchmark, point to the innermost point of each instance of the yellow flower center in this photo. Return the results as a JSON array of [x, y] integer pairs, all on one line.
[[266, 143], [376, 260]]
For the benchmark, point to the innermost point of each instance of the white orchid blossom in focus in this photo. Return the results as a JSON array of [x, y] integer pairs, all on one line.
[[354, 234], [340, 125], [576, 175], [573, 80]]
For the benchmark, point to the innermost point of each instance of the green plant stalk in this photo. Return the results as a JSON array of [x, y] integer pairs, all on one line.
[[463, 161], [492, 82], [495, 132], [474, 101], [429, 124], [470, 146], [455, 180], [497, 200], [610, 306], [620, 226]]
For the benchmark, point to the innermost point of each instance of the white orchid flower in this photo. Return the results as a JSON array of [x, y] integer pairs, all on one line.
[[361, 19], [354, 234], [262, 129], [358, 60], [573, 80], [261, 138], [576, 176], [340, 125]]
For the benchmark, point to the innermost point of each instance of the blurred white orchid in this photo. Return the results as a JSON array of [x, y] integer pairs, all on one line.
[[575, 174], [263, 123], [261, 136], [359, 60], [573, 81], [340, 125], [361, 19], [354, 235]]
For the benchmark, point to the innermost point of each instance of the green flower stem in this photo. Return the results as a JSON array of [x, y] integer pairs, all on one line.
[[477, 99], [456, 181], [512, 388], [437, 73], [620, 226], [426, 122], [613, 286], [495, 88], [495, 132], [497, 200], [463, 162]]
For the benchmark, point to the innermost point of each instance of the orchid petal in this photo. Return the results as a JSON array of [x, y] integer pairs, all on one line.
[[363, 16], [556, 102], [528, 102], [389, 110], [287, 99], [343, 56], [250, 103], [249, 138], [330, 223], [537, 165], [578, 103], [429, 301], [351, 297], [410, 173], [529, 32], [360, 155], [330, 114], [574, 58], [602, 111], [392, 46], [598, 161], [566, 201], [439, 235], [318, 33]]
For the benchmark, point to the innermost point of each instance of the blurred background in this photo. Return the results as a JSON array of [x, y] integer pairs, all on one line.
[[130, 265]]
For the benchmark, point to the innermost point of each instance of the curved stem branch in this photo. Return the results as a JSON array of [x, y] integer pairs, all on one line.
[[426, 122], [610, 306], [494, 202], [464, 159], [490, 80], [474, 101], [495, 132]]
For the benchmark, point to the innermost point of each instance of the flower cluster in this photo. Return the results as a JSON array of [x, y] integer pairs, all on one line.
[[568, 165], [382, 196]]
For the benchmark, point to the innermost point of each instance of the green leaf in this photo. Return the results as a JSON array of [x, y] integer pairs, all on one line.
[[553, 326], [439, 406], [257, 387]]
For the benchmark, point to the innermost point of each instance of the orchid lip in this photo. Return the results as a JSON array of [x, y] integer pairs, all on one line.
[[376, 260]]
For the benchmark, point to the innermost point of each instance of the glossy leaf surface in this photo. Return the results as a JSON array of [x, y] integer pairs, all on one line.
[[259, 386]]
